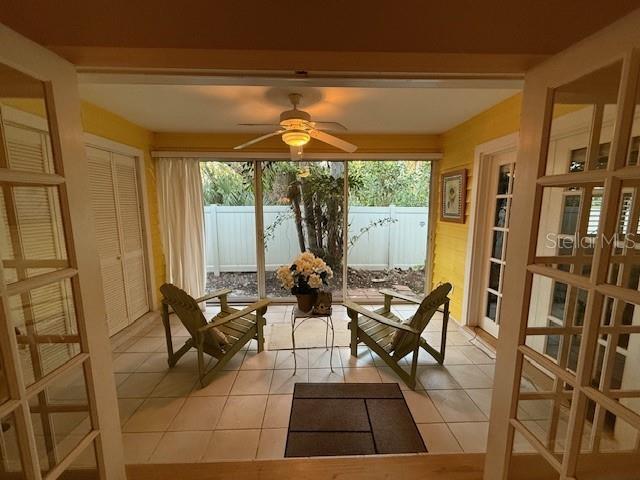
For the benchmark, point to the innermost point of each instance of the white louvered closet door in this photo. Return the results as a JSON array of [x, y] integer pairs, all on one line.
[[129, 211], [118, 215], [105, 210]]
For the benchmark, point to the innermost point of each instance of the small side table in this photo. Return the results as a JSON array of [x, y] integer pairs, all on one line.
[[298, 314]]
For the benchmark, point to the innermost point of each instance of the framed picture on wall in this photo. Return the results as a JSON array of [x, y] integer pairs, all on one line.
[[453, 196]]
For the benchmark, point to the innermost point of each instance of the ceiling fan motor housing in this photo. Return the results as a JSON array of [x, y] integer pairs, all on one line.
[[295, 118]]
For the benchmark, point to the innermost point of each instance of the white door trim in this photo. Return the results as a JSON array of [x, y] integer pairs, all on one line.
[[475, 236], [30, 120]]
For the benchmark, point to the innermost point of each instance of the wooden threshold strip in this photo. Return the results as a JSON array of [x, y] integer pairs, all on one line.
[[454, 466], [407, 467]]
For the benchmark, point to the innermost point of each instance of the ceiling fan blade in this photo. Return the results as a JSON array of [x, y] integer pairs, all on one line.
[[295, 153], [334, 141], [259, 139], [335, 126], [259, 125]]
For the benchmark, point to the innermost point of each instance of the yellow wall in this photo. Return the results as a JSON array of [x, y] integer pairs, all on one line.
[[459, 145]]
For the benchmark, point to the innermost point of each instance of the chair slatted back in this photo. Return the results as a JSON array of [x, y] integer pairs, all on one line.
[[185, 307], [403, 342]]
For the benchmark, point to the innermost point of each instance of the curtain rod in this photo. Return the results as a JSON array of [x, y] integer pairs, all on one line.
[[284, 156]]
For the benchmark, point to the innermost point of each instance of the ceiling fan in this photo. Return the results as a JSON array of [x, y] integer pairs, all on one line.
[[297, 130]]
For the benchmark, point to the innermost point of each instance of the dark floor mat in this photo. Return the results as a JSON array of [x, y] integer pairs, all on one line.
[[329, 415], [347, 390], [350, 419], [322, 444]]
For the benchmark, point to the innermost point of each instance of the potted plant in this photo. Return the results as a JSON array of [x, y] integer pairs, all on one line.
[[304, 277]]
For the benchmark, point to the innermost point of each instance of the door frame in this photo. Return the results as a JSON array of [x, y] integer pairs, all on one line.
[[63, 103], [30, 120], [478, 223]]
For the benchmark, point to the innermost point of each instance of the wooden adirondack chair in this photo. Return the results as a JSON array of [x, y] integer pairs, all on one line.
[[393, 338], [221, 338]]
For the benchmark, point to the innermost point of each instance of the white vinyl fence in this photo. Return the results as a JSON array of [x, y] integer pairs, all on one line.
[[230, 238]]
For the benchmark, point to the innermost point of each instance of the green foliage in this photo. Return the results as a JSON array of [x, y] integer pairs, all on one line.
[[225, 184], [379, 184], [371, 184]]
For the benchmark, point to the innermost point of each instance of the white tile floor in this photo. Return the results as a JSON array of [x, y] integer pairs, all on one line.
[[243, 413]]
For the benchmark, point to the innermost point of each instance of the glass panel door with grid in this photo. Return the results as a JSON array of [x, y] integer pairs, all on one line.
[[496, 236], [563, 381], [56, 390]]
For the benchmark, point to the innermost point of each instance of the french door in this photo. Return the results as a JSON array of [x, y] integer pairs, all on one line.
[[500, 191], [57, 393], [566, 388]]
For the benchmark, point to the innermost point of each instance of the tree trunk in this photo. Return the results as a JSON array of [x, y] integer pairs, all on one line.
[[294, 195], [310, 216]]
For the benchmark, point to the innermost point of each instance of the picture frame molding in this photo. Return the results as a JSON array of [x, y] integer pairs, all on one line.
[[463, 194]]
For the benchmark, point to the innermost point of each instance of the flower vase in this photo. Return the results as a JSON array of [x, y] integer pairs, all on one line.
[[306, 301]]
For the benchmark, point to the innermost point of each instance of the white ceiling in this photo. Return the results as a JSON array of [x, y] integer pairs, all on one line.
[[218, 108]]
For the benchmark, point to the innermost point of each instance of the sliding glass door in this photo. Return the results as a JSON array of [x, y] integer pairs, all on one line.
[[303, 206], [230, 227], [388, 227]]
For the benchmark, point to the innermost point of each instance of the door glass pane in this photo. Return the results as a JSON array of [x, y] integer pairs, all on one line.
[[545, 418], [504, 176], [590, 101], [496, 246], [32, 237], [567, 232], [501, 212], [555, 305], [303, 211], [85, 465], [60, 416], [569, 217], [624, 266], [633, 157], [388, 226], [494, 276], [229, 228], [615, 366], [10, 458], [46, 329], [492, 306], [27, 150]]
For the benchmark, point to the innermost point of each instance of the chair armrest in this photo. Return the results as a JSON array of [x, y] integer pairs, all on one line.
[[401, 296], [215, 294], [379, 318], [233, 316]]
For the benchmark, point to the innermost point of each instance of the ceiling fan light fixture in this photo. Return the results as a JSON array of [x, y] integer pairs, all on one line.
[[296, 138]]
